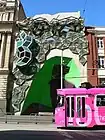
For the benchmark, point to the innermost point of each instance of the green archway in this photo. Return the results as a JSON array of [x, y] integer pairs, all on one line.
[[39, 91]]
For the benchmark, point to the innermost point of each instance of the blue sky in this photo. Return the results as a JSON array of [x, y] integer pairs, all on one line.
[[94, 14]]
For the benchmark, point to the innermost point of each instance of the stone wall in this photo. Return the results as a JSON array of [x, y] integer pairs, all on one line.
[[10, 10], [3, 85]]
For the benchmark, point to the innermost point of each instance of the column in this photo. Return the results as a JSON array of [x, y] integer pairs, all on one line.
[[2, 50], [7, 53]]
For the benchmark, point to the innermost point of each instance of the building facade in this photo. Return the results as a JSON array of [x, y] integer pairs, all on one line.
[[10, 12], [96, 56], [93, 71], [44, 44]]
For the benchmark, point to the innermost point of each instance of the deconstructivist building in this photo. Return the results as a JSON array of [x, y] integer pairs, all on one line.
[[51, 53]]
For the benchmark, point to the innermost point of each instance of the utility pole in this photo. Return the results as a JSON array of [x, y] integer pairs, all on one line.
[[61, 69]]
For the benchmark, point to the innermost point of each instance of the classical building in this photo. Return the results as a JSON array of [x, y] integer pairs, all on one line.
[[10, 12], [96, 56]]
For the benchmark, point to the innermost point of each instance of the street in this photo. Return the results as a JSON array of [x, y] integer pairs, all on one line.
[[46, 132]]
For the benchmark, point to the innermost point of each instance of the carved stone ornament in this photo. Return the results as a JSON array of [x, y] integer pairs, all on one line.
[[2, 3]]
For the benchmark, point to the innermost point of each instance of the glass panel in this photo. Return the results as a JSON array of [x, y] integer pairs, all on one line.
[[68, 106], [60, 101], [100, 101], [100, 43], [72, 106], [83, 107], [101, 62], [78, 107]]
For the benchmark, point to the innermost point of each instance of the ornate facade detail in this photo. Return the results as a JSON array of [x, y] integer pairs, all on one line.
[[2, 4], [57, 34]]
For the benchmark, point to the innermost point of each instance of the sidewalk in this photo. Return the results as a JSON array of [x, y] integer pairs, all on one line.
[[23, 126]]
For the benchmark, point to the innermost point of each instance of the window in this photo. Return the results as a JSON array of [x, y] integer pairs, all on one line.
[[83, 107], [101, 63], [100, 101], [102, 80], [78, 107], [60, 101], [100, 43], [70, 106]]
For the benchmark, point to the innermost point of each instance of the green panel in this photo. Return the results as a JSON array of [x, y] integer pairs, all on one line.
[[74, 74], [39, 91], [19, 43]]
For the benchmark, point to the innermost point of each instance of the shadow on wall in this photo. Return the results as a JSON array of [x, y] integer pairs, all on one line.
[[55, 83]]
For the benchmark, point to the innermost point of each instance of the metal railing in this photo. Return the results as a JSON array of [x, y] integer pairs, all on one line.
[[32, 118]]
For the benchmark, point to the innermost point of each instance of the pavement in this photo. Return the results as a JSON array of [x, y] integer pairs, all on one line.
[[45, 118], [13, 131]]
